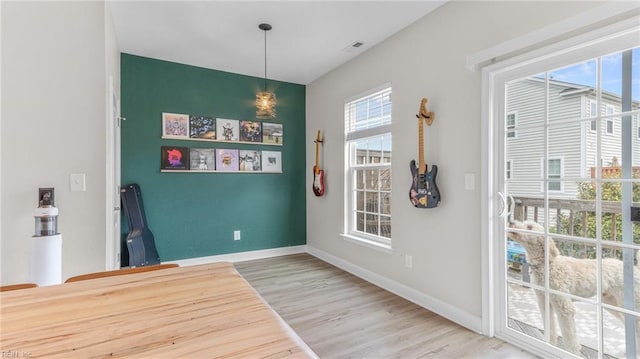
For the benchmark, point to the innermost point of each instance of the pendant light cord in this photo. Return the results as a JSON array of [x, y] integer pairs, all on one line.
[[265, 60]]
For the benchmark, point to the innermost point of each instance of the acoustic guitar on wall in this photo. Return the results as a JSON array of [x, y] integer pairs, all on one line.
[[318, 174], [424, 191]]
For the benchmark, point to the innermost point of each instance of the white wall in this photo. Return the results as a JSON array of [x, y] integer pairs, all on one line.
[[53, 124], [426, 59]]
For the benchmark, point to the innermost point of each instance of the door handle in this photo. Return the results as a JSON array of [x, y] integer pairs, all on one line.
[[505, 207]]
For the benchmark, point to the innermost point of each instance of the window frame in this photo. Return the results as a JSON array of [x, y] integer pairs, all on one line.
[[352, 136]]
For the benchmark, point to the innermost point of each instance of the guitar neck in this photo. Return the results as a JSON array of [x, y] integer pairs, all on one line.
[[421, 164], [317, 168]]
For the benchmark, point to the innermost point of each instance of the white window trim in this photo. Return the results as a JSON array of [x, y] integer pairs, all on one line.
[[361, 238], [545, 45]]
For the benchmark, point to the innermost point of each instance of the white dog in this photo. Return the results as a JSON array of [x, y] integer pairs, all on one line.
[[571, 275]]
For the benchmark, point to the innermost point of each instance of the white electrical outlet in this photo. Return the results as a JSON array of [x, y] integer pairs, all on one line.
[[236, 235], [408, 261]]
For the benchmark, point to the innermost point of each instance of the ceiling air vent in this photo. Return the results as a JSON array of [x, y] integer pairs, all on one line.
[[354, 46]]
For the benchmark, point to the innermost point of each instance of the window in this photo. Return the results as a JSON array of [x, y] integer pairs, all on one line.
[[368, 176], [508, 168], [593, 112], [511, 124], [610, 110], [554, 171]]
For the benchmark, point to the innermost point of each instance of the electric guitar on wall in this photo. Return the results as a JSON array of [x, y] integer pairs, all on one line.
[[424, 190], [318, 174]]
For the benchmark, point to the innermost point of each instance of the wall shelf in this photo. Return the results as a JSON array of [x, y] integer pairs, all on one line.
[[214, 171], [219, 141]]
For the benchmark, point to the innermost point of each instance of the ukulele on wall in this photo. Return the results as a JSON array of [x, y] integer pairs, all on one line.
[[424, 190], [318, 174]]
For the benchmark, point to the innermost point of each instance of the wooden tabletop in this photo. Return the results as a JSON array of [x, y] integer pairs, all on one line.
[[204, 311]]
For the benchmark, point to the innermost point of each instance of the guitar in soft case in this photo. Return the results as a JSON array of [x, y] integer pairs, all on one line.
[[140, 242]]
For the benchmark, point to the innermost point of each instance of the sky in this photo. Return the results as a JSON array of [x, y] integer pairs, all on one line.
[[585, 73]]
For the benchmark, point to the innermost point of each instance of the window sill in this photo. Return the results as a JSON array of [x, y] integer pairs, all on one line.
[[385, 248]]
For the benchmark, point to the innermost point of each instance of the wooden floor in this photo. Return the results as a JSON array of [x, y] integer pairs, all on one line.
[[342, 316]]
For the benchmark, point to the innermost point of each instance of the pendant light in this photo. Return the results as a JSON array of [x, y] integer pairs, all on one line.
[[265, 100]]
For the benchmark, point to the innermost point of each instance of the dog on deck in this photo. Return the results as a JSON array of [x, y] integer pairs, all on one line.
[[570, 275]]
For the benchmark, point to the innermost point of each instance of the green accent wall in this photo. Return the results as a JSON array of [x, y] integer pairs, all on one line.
[[195, 214]]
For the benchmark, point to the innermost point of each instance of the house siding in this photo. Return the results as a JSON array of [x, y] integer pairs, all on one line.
[[569, 135]]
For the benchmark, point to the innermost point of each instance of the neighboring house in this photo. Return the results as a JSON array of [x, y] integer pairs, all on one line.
[[572, 143]]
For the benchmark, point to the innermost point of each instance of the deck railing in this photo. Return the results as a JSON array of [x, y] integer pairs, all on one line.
[[565, 213]]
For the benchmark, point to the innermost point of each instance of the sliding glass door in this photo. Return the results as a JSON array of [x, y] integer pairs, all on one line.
[[568, 183]]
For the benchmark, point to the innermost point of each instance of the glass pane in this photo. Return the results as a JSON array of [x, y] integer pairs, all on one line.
[[360, 178], [370, 111], [612, 79], [586, 327], [582, 278], [372, 202], [530, 208], [525, 102], [613, 323], [361, 152], [616, 278], [372, 150], [525, 152], [523, 312], [385, 203], [385, 179], [372, 224], [635, 74], [360, 200], [567, 88], [385, 226], [612, 211], [360, 221], [372, 179], [385, 144]]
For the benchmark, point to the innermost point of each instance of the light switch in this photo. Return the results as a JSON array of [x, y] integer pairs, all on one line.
[[469, 181], [77, 182]]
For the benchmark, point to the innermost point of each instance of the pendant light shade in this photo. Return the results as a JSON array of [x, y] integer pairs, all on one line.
[[265, 100]]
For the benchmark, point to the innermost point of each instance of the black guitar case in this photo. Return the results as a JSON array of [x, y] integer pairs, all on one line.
[[140, 242]]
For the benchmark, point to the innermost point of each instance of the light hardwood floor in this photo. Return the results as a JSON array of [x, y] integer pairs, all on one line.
[[342, 316]]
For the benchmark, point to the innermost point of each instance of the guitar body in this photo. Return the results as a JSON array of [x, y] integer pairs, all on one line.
[[424, 191], [318, 181]]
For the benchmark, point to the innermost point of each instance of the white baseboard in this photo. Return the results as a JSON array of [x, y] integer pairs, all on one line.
[[242, 256], [437, 306]]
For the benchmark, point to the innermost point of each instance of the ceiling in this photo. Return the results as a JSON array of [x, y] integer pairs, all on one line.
[[308, 39]]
